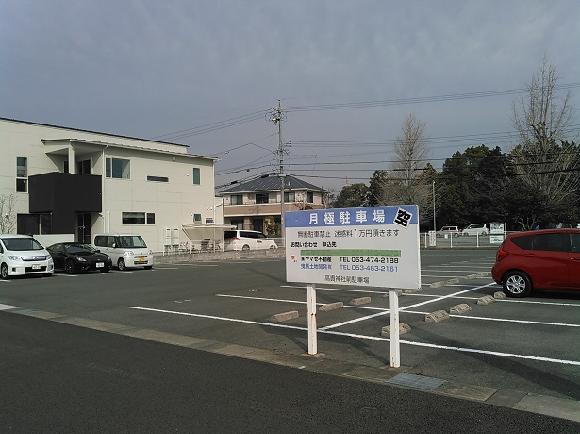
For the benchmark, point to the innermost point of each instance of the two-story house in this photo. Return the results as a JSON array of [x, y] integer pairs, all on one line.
[[77, 182], [256, 205]]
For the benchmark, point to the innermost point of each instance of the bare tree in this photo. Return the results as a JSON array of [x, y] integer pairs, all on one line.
[[7, 213], [542, 161], [404, 184]]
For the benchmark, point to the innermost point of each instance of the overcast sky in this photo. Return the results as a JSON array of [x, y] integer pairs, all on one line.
[[149, 68]]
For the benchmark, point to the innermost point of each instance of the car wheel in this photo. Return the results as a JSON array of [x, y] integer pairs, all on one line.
[[245, 248], [517, 284], [4, 271], [148, 267], [121, 265], [69, 266]]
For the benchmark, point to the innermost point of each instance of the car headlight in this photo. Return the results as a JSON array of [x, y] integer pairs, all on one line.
[[14, 258], [80, 259]]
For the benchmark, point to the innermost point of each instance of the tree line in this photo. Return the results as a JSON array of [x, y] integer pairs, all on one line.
[[534, 184]]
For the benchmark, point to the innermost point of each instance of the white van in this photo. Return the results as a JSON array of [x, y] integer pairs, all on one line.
[[475, 229], [125, 250], [21, 254], [247, 240]]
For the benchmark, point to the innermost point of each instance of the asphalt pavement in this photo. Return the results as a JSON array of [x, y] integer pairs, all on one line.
[[63, 378]]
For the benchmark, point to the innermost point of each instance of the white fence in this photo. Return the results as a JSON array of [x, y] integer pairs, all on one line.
[[451, 241]]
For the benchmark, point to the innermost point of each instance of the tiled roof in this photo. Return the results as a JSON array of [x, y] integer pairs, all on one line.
[[272, 183]]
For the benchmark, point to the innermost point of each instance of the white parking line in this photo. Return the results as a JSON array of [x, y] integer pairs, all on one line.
[[6, 307], [372, 338], [454, 266], [385, 311], [449, 275], [198, 265], [419, 294], [515, 321], [443, 297], [165, 268], [264, 299]]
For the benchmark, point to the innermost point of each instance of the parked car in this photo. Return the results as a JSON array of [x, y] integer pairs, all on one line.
[[125, 250], [448, 230], [542, 259], [247, 240], [77, 257], [475, 229], [21, 254]]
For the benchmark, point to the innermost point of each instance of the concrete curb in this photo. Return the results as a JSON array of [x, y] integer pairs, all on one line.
[[534, 403], [331, 306], [285, 316], [360, 301], [437, 316]]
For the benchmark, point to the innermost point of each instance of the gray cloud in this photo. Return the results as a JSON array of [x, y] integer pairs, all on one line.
[[146, 67]]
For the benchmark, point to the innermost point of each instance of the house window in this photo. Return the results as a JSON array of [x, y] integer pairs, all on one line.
[[209, 221], [195, 176], [262, 197], [310, 197], [118, 168], [236, 199], [157, 178], [21, 174], [289, 196], [150, 218], [133, 218], [197, 218]]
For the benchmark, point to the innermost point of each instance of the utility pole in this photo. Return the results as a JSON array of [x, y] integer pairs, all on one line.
[[434, 209], [277, 116]]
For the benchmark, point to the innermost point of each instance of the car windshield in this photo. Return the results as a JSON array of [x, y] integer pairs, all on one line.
[[21, 244], [131, 242], [78, 248]]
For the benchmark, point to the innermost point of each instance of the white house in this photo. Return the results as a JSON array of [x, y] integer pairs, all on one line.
[[78, 182]]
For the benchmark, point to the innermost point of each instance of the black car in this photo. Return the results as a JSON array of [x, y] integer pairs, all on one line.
[[77, 257]]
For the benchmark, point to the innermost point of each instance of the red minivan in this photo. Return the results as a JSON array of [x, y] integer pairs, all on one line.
[[544, 259]]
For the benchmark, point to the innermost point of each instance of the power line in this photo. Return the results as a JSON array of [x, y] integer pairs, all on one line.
[[420, 100], [213, 126]]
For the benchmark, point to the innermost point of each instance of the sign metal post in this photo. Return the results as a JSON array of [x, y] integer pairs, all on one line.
[[394, 343], [311, 307]]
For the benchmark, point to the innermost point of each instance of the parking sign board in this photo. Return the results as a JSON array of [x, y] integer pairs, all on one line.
[[376, 247]]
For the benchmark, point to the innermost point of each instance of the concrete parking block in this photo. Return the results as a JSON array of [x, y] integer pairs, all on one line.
[[285, 316], [437, 316], [460, 308], [403, 328], [360, 300], [485, 300], [331, 306], [499, 295]]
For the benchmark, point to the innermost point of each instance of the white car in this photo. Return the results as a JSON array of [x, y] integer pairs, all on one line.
[[21, 254], [247, 240], [125, 250], [475, 229], [448, 230]]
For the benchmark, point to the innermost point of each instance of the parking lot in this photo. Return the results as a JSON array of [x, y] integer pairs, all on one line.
[[527, 344]]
